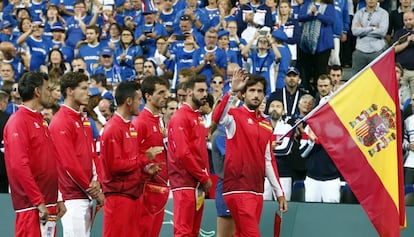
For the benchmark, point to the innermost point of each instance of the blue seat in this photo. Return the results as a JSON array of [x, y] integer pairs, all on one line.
[[347, 196], [409, 188], [298, 191], [409, 194]]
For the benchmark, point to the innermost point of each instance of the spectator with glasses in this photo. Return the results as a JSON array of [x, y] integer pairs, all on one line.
[[264, 59], [210, 59], [200, 20], [216, 86], [139, 67], [126, 52]]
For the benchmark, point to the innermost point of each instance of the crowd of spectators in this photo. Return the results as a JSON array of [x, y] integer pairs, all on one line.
[[114, 40]]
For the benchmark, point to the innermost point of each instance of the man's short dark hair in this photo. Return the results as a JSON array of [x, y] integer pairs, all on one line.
[[4, 96], [95, 28], [124, 90], [28, 83], [182, 85], [253, 80], [334, 68], [187, 72], [71, 80], [196, 79], [148, 85], [170, 99], [324, 77], [99, 77], [79, 2]]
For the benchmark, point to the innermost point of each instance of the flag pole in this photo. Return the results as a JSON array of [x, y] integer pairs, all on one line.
[[328, 98]]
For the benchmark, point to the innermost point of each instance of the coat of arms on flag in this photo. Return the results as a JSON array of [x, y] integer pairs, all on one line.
[[375, 128]]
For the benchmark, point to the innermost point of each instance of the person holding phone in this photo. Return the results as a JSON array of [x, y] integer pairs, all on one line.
[[148, 33], [264, 59]]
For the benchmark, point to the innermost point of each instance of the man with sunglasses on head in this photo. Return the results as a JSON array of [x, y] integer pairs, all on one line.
[[184, 30], [200, 20]]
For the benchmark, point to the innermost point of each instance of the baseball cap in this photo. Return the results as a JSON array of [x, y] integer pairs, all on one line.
[[292, 70], [5, 24], [280, 35], [94, 91], [38, 22], [57, 26], [106, 52], [222, 33], [149, 11]]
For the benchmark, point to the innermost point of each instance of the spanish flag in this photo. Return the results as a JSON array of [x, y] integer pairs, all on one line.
[[360, 128]]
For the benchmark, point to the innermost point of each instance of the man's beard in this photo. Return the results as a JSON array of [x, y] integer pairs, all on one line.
[[252, 106], [274, 116], [197, 102]]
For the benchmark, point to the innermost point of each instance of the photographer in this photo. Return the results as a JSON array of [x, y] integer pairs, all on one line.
[[39, 47], [148, 33]]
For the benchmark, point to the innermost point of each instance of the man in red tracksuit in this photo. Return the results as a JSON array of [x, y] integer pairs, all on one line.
[[188, 159], [249, 155], [150, 141], [76, 167], [121, 165], [30, 157]]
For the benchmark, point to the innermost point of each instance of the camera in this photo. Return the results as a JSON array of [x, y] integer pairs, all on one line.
[[180, 37]]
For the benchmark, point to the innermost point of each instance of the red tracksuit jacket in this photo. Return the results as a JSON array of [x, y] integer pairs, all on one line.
[[30, 160], [249, 156], [149, 135], [187, 149], [121, 166], [75, 148]]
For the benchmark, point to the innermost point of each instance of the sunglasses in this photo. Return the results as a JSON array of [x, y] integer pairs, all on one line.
[[217, 82], [369, 16], [185, 18]]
